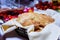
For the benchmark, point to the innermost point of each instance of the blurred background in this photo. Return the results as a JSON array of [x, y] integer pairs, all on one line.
[[27, 5], [30, 3]]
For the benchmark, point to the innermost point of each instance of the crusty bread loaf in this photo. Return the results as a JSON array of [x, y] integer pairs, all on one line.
[[38, 20]]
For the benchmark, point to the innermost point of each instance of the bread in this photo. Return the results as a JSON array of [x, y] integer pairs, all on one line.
[[38, 20]]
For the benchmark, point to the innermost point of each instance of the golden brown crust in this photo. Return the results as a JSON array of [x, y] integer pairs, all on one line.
[[39, 20]]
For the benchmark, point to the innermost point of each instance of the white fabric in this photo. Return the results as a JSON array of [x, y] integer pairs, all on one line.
[[55, 32], [57, 19], [1, 31], [50, 32], [1, 21], [51, 12]]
